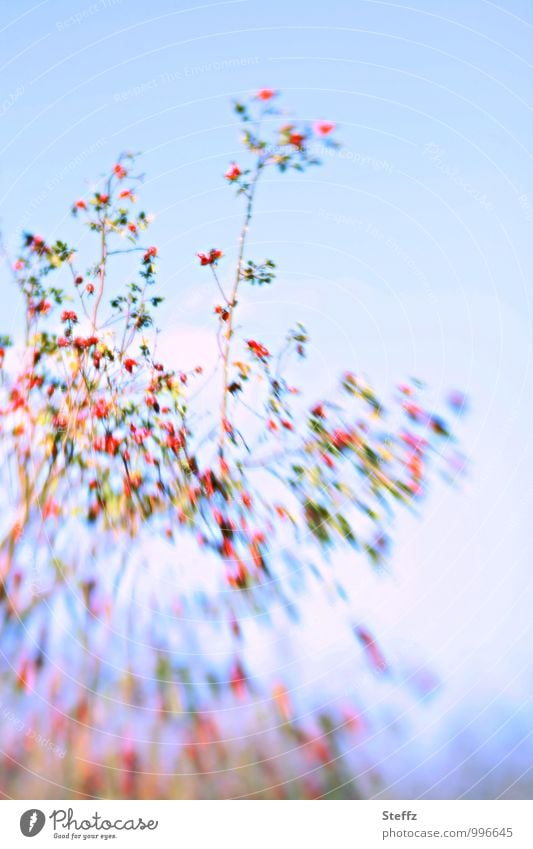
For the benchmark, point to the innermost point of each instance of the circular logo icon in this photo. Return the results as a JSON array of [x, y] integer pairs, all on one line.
[[32, 822]]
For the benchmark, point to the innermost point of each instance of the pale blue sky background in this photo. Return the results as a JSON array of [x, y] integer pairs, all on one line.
[[407, 253]]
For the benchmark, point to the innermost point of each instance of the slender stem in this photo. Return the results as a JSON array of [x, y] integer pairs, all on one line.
[[74, 276], [127, 251], [233, 301], [221, 290], [103, 257]]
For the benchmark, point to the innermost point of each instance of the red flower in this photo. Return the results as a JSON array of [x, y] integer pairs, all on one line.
[[60, 422], [233, 172], [112, 444], [414, 411], [38, 245], [208, 483], [340, 439], [139, 435], [265, 94], [318, 411], [297, 139], [416, 442], [323, 128], [119, 171], [101, 409], [63, 342], [103, 198], [211, 258], [151, 252], [69, 315], [327, 460], [258, 349], [109, 444], [237, 680], [372, 649], [126, 193], [222, 312], [43, 307], [78, 280], [174, 442], [132, 227], [18, 265], [129, 365], [89, 288], [80, 204]]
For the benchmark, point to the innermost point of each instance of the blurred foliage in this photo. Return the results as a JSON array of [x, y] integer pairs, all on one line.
[[108, 451]]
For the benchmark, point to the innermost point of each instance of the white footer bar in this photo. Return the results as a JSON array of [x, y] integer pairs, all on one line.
[[268, 824]]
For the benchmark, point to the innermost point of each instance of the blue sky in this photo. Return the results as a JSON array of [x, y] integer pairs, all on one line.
[[406, 253]]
